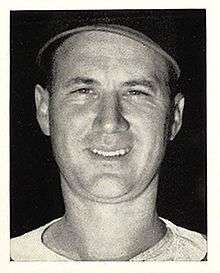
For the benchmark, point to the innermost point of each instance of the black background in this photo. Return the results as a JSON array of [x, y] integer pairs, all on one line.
[[35, 189]]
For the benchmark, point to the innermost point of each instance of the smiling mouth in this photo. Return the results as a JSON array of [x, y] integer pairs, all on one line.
[[111, 154]]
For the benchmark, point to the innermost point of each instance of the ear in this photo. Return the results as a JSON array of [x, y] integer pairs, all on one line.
[[42, 108], [177, 115]]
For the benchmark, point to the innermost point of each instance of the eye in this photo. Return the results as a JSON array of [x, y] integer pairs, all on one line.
[[138, 93], [84, 91]]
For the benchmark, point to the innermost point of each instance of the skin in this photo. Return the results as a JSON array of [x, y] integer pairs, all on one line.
[[108, 93]]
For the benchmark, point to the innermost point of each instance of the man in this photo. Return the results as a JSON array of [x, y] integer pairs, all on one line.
[[110, 106]]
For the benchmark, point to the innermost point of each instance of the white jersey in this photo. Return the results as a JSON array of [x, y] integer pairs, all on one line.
[[178, 244]]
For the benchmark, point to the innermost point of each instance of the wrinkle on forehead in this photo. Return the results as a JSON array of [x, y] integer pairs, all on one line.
[[103, 40], [108, 51], [89, 42]]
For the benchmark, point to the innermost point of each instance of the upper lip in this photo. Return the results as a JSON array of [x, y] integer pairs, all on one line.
[[109, 142]]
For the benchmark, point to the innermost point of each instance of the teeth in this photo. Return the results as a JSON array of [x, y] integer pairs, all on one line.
[[111, 153]]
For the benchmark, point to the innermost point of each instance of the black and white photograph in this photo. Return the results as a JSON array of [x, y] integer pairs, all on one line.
[[108, 135]]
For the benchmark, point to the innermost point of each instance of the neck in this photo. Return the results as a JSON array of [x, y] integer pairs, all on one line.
[[98, 231]]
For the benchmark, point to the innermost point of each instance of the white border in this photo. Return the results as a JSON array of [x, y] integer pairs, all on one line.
[[213, 61]]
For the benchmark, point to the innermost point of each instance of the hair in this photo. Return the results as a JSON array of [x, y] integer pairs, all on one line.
[[45, 66], [173, 82]]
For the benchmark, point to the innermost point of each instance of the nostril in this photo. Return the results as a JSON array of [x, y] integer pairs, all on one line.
[[114, 124]]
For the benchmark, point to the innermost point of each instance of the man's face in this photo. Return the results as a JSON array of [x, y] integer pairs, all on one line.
[[109, 111]]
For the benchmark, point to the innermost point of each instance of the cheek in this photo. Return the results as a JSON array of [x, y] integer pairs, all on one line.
[[68, 128], [150, 121], [70, 120], [150, 131]]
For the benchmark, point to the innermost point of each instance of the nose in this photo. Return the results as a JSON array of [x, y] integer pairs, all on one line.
[[109, 118]]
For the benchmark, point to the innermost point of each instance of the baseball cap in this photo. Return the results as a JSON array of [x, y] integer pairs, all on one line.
[[138, 36]]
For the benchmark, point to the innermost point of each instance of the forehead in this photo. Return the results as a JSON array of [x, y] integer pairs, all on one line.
[[108, 51]]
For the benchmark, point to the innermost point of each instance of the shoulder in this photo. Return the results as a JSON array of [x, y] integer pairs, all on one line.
[[24, 246], [29, 246], [189, 245]]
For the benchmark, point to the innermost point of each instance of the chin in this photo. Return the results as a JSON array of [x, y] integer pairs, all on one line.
[[107, 188], [113, 197]]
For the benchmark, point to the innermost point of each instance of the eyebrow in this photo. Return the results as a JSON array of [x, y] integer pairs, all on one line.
[[81, 80], [91, 81], [142, 82]]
